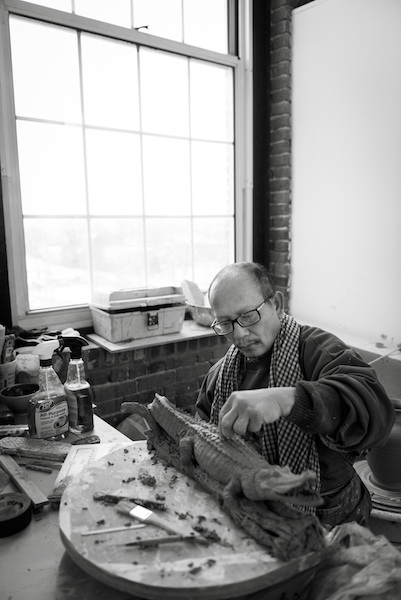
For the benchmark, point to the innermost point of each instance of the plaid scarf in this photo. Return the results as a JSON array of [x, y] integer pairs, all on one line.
[[281, 443]]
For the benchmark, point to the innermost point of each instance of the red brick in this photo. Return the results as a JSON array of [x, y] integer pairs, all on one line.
[[124, 358], [279, 96], [281, 108], [279, 234], [279, 69], [281, 269], [92, 358], [278, 27], [155, 381], [279, 209], [280, 221], [137, 369], [281, 172], [280, 160], [277, 185], [281, 13], [281, 197], [278, 257], [280, 122], [280, 55], [279, 134], [280, 147], [281, 40]]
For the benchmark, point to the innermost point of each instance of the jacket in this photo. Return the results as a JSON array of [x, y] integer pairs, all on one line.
[[339, 400]]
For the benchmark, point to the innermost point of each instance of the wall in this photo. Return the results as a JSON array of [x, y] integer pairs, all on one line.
[[175, 370], [280, 159], [346, 187]]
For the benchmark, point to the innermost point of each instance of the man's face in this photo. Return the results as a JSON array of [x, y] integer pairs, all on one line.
[[235, 295]]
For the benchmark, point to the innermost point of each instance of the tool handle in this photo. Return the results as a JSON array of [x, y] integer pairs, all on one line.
[[155, 520], [147, 516]]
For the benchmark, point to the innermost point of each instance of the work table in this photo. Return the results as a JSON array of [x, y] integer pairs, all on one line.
[[34, 563]]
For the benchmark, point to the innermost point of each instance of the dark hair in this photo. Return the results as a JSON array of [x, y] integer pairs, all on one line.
[[257, 270]]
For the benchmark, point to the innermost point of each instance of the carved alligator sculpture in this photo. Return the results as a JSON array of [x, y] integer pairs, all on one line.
[[261, 498]]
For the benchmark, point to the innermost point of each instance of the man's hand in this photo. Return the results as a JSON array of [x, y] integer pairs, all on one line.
[[250, 409]]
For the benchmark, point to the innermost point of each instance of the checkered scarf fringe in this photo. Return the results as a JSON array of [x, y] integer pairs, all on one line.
[[282, 442]]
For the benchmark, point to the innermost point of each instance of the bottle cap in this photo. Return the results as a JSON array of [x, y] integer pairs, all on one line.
[[46, 349], [75, 344]]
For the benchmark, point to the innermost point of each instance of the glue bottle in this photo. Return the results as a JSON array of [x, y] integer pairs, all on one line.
[[78, 390], [48, 408]]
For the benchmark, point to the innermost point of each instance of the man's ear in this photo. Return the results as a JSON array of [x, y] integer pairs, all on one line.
[[278, 302]]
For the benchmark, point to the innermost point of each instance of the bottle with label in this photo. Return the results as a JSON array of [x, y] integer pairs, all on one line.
[[78, 390], [48, 408]]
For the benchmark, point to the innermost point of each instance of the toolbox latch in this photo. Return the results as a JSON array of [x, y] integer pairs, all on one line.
[[153, 320]]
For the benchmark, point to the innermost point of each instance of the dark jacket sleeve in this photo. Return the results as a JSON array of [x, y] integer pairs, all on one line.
[[205, 398], [340, 398]]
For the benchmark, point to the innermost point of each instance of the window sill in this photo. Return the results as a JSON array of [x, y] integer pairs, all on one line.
[[190, 330]]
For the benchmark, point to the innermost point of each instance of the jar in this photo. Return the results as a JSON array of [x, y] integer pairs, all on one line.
[[385, 461]]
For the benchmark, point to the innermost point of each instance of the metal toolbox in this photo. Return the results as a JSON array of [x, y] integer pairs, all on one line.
[[125, 315]]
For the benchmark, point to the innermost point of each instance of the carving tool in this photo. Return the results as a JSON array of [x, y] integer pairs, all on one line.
[[168, 540], [114, 499], [92, 439], [113, 529], [147, 516]]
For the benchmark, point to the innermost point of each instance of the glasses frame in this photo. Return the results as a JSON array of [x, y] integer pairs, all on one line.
[[238, 319]]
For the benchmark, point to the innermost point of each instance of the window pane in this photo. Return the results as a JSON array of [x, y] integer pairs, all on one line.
[[163, 17], [117, 12], [211, 102], [166, 176], [212, 179], [110, 83], [51, 169], [206, 24], [169, 253], [57, 262], [117, 254], [114, 173], [164, 93], [45, 71], [213, 247]]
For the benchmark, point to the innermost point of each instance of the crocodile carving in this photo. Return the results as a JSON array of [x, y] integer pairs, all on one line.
[[261, 498], [232, 462]]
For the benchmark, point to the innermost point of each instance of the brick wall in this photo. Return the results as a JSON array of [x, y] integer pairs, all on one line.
[[280, 142], [175, 370]]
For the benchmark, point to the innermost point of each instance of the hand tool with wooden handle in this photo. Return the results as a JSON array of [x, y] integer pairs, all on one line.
[[147, 516], [114, 499], [197, 539]]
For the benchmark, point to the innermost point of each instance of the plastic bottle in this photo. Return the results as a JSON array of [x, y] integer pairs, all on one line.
[[48, 408], [78, 390]]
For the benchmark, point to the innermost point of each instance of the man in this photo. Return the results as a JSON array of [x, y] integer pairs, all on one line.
[[301, 396]]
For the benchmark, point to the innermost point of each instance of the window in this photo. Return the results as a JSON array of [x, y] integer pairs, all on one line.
[[125, 152]]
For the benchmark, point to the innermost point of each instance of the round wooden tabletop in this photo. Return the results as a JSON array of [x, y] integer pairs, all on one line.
[[230, 566]]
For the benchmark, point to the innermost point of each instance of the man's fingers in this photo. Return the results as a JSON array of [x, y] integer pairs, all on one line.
[[226, 423], [255, 423]]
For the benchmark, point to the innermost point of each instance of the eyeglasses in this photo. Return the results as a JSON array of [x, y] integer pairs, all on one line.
[[251, 317]]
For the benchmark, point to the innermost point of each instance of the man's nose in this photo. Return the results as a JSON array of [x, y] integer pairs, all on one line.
[[239, 331]]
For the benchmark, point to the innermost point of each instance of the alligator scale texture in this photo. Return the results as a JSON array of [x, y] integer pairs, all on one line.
[[261, 498], [231, 462]]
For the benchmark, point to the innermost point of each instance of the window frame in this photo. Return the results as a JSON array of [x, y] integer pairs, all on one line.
[[240, 59]]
